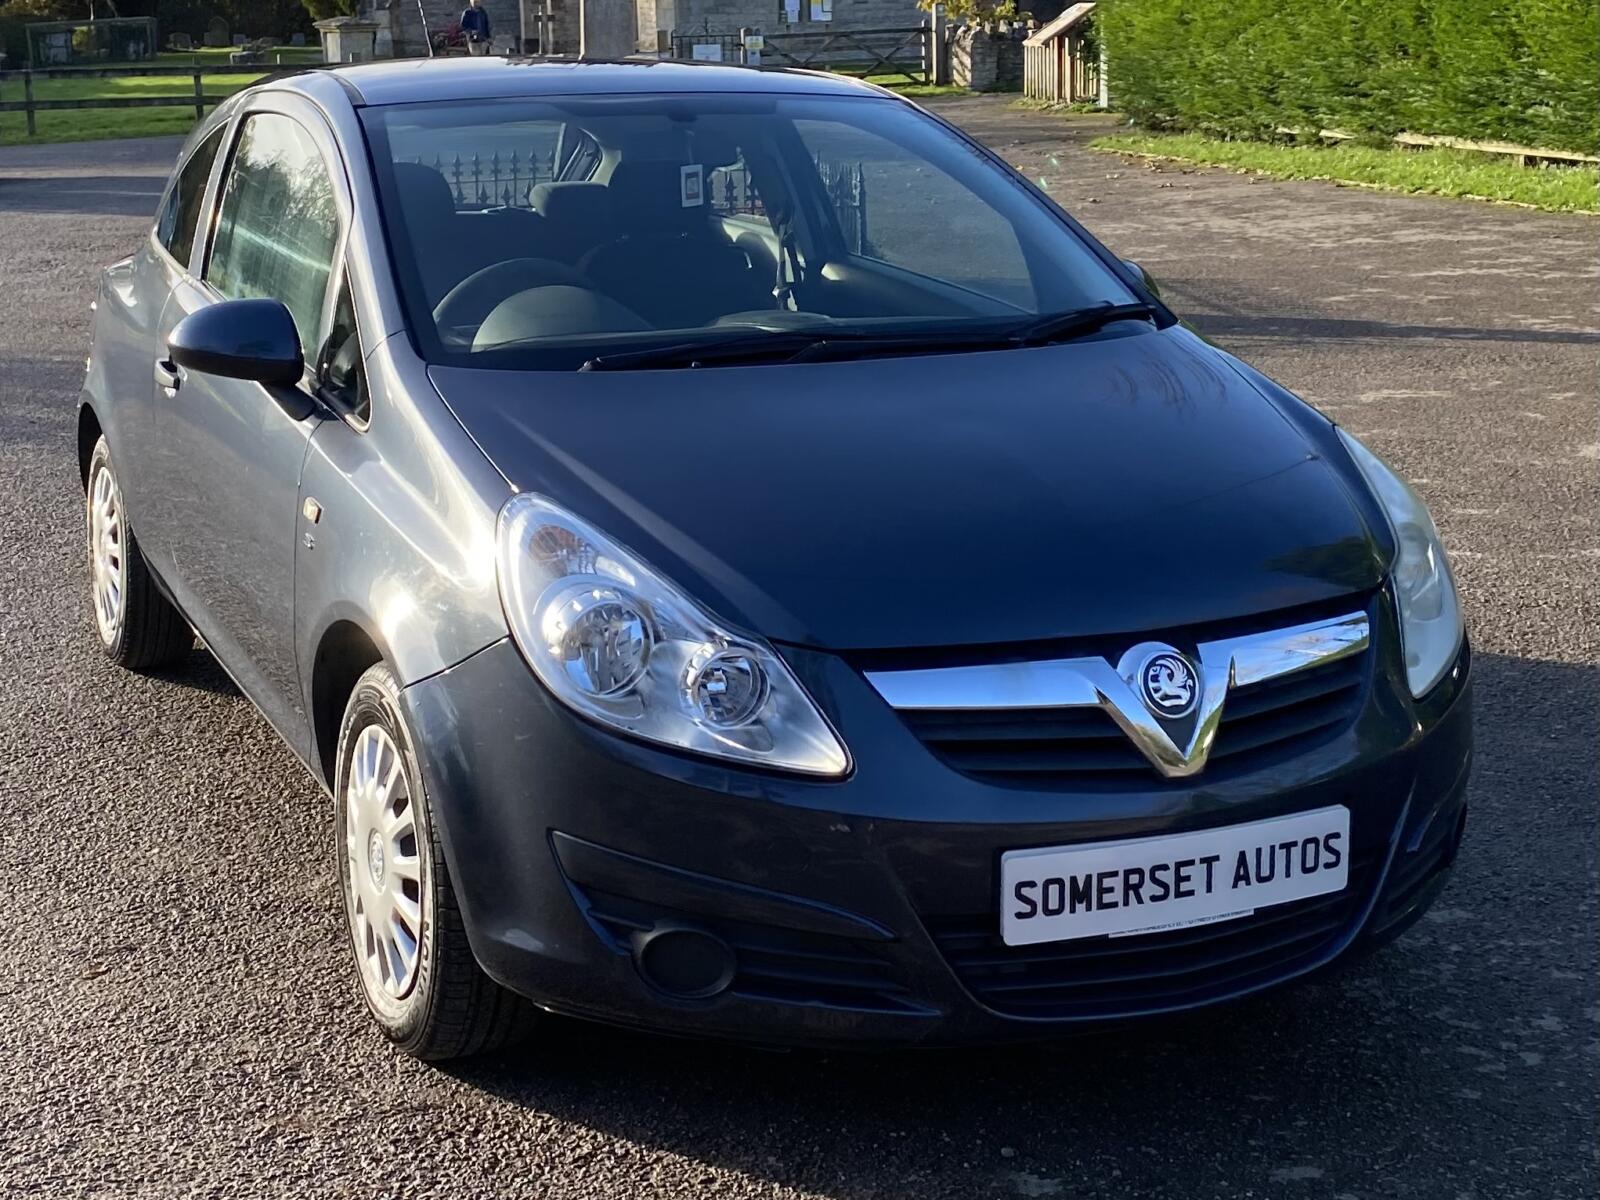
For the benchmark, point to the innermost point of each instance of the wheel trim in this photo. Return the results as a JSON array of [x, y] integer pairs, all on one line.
[[106, 555], [384, 868]]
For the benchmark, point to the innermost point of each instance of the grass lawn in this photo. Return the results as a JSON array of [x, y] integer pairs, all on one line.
[[896, 82], [1032, 104], [916, 91], [75, 125], [1437, 172]]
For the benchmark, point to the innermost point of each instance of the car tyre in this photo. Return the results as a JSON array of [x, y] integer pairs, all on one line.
[[416, 971], [138, 626]]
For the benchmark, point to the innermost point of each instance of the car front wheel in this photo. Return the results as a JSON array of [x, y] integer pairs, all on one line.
[[416, 970], [138, 626]]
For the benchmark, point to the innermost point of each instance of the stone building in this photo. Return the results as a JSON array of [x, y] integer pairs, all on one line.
[[402, 21], [775, 16], [408, 24]]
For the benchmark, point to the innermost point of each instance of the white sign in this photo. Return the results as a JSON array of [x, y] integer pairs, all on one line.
[[822, 10], [755, 41], [706, 52], [791, 11], [1142, 885], [691, 183], [752, 58]]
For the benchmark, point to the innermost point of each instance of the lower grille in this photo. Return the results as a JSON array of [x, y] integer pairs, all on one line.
[[1415, 870], [1262, 724], [1112, 977], [782, 965]]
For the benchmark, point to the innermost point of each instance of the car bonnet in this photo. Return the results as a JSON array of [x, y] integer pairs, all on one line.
[[1120, 483]]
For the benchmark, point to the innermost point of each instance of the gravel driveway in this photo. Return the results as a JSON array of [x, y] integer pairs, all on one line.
[[178, 1016]]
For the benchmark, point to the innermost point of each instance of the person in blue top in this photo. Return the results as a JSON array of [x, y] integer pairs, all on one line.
[[475, 27]]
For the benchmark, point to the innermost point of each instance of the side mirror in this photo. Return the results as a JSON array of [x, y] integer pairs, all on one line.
[[240, 339], [1145, 277]]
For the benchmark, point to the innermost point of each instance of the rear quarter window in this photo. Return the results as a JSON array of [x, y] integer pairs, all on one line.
[[180, 213]]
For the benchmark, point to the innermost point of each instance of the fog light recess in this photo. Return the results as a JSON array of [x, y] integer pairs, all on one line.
[[683, 960]]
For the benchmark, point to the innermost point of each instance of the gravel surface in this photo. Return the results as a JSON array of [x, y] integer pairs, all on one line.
[[178, 1015]]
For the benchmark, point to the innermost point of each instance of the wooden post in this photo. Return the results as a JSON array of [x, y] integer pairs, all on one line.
[[1103, 96], [199, 96], [939, 36], [27, 95]]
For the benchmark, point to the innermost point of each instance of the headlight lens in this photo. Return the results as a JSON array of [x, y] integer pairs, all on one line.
[[621, 645], [1424, 588]]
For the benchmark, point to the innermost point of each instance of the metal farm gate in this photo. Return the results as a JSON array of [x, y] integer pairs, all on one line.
[[707, 45], [904, 52]]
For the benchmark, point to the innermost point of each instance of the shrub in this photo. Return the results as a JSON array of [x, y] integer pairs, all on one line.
[[1523, 71]]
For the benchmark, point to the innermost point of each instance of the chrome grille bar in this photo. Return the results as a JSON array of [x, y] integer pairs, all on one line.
[[1097, 683]]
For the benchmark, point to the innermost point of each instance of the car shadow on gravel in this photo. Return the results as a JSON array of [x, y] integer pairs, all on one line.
[[200, 672], [1415, 1035]]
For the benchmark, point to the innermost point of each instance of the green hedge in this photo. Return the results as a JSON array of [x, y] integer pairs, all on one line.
[[1524, 71]]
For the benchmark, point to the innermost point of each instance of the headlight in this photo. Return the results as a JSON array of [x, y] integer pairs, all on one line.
[[618, 643], [1430, 613]]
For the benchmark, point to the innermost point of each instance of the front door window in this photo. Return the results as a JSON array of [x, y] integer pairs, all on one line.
[[278, 225]]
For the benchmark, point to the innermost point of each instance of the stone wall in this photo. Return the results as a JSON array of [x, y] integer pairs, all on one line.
[[565, 34], [987, 58]]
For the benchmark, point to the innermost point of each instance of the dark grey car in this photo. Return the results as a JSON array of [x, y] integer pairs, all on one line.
[[744, 562]]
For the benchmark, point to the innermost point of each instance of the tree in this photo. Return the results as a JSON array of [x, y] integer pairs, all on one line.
[[321, 10], [973, 11], [39, 10]]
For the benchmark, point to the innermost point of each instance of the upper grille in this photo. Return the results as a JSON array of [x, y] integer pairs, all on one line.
[[1103, 977], [1262, 723]]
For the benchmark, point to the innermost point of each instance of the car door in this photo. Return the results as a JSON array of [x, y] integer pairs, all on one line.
[[234, 448]]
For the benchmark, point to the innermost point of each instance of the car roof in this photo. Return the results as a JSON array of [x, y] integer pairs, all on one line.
[[407, 81]]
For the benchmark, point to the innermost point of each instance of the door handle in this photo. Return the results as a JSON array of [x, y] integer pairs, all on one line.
[[169, 376]]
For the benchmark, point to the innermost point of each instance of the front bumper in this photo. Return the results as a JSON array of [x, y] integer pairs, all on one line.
[[862, 911]]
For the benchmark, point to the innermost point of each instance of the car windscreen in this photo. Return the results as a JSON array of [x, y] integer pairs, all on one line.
[[546, 234]]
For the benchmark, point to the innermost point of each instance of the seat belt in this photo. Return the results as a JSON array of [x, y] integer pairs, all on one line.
[[789, 275]]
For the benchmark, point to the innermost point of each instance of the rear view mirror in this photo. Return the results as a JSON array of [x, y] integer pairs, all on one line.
[[240, 339]]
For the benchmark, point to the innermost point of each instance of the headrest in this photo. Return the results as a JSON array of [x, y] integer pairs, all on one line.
[[655, 187], [571, 204], [424, 195]]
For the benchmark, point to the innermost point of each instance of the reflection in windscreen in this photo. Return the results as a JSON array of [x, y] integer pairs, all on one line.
[[536, 231]]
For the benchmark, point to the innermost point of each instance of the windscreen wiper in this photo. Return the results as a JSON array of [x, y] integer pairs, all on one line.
[[1040, 331], [820, 345], [1061, 327], [747, 347], [796, 345]]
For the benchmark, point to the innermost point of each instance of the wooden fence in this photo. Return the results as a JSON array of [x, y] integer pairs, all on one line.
[[197, 98], [1060, 63], [1061, 73]]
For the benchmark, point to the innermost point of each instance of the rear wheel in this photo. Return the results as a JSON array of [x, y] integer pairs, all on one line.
[[138, 626], [416, 970]]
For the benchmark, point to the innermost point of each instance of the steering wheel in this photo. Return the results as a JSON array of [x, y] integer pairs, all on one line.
[[471, 301]]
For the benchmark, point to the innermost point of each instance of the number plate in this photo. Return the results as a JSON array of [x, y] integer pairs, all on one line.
[[1143, 885]]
